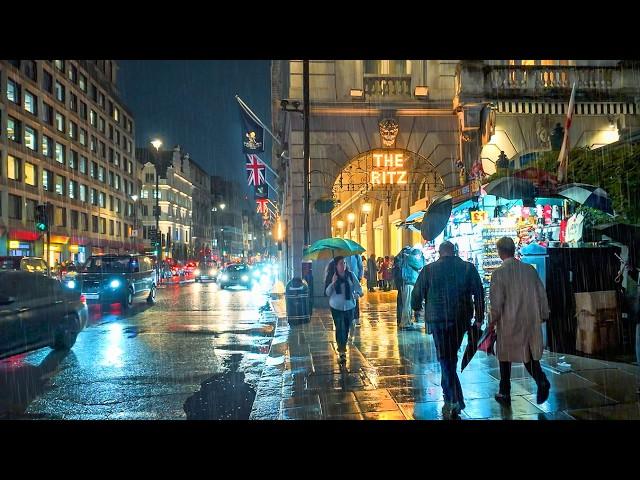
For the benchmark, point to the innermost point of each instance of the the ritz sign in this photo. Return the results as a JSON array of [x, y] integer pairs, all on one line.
[[388, 169]]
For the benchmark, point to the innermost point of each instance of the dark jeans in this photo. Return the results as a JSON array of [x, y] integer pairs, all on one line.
[[448, 339], [342, 320], [532, 366], [356, 311], [399, 306]]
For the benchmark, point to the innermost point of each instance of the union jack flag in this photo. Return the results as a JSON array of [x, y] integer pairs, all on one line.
[[255, 170], [262, 206]]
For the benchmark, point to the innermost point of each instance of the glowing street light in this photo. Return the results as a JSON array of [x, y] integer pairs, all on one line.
[[157, 143], [366, 207], [340, 224], [351, 217]]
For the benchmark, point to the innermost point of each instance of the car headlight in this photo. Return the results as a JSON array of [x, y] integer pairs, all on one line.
[[71, 284], [213, 271], [224, 277], [197, 271], [244, 278], [114, 283]]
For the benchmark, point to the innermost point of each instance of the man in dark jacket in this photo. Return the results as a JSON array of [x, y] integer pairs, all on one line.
[[452, 290]]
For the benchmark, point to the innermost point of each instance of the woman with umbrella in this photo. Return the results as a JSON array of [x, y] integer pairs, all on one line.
[[342, 288]]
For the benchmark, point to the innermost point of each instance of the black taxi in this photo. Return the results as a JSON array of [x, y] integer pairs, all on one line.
[[111, 278]]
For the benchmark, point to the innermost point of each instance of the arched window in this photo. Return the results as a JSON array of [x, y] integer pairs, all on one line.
[[398, 202]]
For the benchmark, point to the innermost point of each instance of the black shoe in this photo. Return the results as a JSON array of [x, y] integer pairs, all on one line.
[[503, 399], [543, 393]]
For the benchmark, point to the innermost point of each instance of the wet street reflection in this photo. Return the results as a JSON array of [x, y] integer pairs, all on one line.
[[154, 362]]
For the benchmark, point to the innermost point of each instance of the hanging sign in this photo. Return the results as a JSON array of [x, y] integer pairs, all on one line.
[[388, 169], [479, 216]]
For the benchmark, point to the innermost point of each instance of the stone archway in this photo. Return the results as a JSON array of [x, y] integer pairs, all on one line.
[[389, 180]]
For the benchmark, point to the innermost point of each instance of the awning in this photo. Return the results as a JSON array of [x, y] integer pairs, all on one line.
[[59, 239]]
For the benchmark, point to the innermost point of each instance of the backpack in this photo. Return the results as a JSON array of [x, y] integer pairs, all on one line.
[[409, 263]]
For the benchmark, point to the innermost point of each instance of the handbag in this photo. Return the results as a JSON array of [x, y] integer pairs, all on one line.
[[487, 341]]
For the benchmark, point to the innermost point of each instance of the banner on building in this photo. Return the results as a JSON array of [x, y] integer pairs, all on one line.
[[255, 170], [252, 134], [262, 206]]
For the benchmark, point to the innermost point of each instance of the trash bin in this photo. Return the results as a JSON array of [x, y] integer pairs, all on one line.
[[297, 300]]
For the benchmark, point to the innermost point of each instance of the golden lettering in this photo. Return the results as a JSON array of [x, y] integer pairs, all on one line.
[[402, 178], [377, 157], [399, 160]]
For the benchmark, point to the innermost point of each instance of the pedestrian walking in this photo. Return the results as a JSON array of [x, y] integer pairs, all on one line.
[[372, 272], [354, 265], [386, 274], [518, 308], [379, 263], [406, 268], [342, 288], [452, 291]]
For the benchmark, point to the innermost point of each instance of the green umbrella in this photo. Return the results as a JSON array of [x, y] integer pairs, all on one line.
[[332, 247]]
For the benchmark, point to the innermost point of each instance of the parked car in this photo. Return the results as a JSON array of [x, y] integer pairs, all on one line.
[[109, 279], [207, 270], [236, 274], [68, 272], [27, 264], [37, 311]]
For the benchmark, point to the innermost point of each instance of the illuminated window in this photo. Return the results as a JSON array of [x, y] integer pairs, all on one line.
[[30, 174], [60, 153], [30, 138], [59, 185], [59, 92], [14, 168], [13, 129], [47, 146], [47, 180], [60, 122], [13, 92], [83, 193], [73, 189], [30, 103], [82, 81]]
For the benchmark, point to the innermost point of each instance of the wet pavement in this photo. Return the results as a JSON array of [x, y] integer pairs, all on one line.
[[197, 354], [394, 375]]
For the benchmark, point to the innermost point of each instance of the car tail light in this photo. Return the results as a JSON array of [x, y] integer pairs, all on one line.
[[83, 299]]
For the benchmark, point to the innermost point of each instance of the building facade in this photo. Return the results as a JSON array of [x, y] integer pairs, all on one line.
[[66, 139], [389, 136], [175, 200]]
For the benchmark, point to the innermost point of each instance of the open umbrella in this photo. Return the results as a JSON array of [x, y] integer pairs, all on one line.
[[327, 248], [473, 338], [587, 195], [436, 218], [412, 220], [511, 188]]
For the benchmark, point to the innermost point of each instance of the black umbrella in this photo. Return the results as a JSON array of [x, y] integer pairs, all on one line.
[[436, 218], [624, 233], [587, 195], [473, 339], [511, 188]]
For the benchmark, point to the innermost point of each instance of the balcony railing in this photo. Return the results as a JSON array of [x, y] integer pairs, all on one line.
[[543, 79], [392, 86]]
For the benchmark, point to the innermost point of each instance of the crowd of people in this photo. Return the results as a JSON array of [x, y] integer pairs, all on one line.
[[450, 296]]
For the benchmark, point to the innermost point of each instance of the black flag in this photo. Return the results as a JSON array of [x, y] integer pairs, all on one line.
[[252, 134], [261, 191]]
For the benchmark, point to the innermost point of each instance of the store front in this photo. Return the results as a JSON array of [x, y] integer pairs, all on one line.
[[22, 243]]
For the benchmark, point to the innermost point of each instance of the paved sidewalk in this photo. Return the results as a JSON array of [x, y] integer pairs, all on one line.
[[394, 375]]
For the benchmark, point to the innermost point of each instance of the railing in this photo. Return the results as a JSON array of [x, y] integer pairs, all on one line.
[[540, 79], [387, 86]]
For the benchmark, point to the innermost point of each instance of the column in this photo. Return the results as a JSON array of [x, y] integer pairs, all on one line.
[[404, 213], [386, 231], [371, 242], [357, 223]]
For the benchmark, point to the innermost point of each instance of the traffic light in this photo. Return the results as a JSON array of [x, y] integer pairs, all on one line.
[[42, 218]]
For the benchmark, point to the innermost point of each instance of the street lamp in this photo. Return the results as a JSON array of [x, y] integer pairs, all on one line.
[[157, 143], [135, 220], [366, 207], [340, 225], [223, 206]]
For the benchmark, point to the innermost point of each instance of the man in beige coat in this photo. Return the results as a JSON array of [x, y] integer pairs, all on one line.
[[518, 308]]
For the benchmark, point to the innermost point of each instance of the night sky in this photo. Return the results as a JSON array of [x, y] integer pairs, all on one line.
[[192, 103]]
